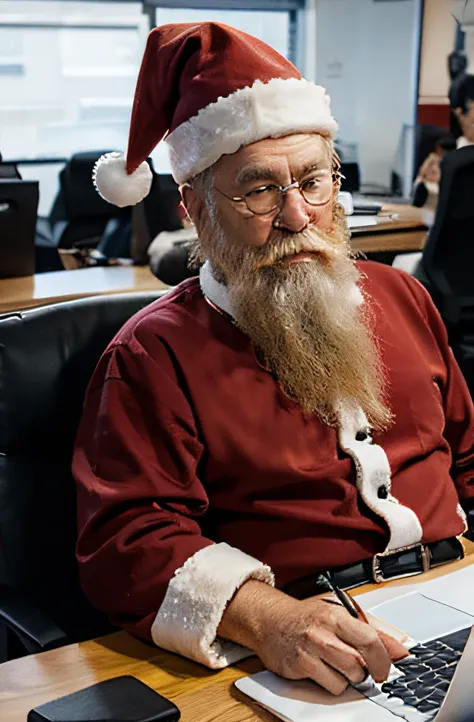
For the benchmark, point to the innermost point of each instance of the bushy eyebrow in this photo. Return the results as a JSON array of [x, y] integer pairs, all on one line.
[[266, 174]]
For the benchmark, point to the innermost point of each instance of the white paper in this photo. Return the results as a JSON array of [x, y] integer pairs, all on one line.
[[361, 221], [307, 702], [422, 618], [368, 600], [455, 589]]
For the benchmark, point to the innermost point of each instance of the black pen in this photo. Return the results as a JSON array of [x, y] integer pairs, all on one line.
[[346, 600]]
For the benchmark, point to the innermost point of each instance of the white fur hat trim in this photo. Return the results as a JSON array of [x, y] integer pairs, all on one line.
[[115, 185], [272, 109]]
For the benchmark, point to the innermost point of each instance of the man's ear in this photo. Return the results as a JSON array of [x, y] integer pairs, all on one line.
[[190, 201], [458, 112]]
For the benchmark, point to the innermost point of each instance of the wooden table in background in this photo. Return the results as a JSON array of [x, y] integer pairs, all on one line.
[[31, 291], [406, 231], [201, 694]]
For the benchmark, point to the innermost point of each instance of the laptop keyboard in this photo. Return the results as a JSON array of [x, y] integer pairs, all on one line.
[[418, 684]]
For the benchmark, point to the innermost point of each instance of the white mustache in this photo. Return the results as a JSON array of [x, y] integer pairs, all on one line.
[[309, 241]]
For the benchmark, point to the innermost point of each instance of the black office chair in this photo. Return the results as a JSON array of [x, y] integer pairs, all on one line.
[[447, 266], [351, 177], [47, 356], [173, 266], [18, 213], [87, 214], [80, 218], [161, 204], [158, 212], [9, 171]]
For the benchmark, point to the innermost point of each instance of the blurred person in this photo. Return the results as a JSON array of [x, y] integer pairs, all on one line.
[[461, 99], [426, 185], [290, 412]]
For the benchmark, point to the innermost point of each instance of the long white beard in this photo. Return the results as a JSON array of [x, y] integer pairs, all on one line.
[[307, 320]]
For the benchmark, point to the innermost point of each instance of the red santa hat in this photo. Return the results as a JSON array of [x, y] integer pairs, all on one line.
[[208, 90]]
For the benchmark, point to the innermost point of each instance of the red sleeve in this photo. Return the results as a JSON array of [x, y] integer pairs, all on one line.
[[139, 497], [458, 404]]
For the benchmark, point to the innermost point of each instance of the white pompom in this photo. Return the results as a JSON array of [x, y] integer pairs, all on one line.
[[113, 183]]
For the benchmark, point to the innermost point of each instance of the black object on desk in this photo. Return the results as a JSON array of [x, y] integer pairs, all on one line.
[[123, 699], [366, 209], [18, 212]]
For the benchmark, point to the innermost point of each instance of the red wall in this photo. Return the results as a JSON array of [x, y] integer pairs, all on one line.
[[434, 115]]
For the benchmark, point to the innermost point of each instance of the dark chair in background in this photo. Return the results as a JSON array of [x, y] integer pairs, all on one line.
[[447, 265], [80, 218], [18, 213], [173, 266], [87, 214], [158, 212], [351, 180], [162, 204], [9, 171], [47, 356]]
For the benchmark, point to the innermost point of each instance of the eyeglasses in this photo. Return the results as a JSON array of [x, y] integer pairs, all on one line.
[[316, 191]]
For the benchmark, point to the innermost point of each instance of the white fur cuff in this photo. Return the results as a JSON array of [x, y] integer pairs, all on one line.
[[196, 599]]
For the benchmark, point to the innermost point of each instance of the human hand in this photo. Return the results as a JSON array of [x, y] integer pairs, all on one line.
[[430, 171], [312, 639], [309, 639]]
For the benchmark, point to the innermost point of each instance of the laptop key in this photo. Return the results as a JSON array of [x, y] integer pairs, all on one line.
[[449, 657], [415, 685], [436, 698], [427, 707], [435, 664], [435, 645], [457, 640], [429, 678], [388, 687], [412, 669], [409, 698]]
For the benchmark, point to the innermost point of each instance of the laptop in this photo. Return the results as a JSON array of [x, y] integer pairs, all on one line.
[[18, 214], [419, 688]]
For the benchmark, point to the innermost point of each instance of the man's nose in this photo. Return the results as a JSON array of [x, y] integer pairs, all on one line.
[[294, 214]]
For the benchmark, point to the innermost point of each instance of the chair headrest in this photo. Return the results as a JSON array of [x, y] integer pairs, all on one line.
[[47, 356]]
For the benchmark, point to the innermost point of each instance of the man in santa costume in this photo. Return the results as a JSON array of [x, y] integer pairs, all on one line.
[[287, 413]]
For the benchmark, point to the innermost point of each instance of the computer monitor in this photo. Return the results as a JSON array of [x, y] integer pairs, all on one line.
[[18, 213]]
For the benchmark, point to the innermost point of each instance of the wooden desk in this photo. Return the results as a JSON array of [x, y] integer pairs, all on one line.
[[406, 231], [201, 695], [39, 290]]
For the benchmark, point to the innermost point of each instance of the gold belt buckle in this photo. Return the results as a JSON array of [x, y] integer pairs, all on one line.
[[377, 573]]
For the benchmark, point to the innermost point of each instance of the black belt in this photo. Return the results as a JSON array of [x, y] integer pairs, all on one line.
[[404, 562]]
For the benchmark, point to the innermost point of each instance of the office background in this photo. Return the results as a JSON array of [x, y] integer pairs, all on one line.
[[68, 70]]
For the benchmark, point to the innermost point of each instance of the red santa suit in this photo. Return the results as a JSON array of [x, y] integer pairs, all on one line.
[[195, 472]]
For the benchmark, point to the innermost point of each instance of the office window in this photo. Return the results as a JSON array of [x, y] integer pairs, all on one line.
[[67, 75], [271, 27], [68, 71]]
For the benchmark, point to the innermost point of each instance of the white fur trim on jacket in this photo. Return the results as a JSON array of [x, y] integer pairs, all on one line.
[[373, 476], [213, 290], [263, 110], [195, 601]]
